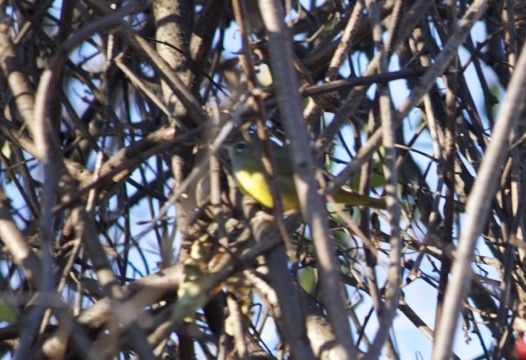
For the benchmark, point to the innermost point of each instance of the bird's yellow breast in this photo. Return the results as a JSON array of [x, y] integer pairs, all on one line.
[[254, 184]]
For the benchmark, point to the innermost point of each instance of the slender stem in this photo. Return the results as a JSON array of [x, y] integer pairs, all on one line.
[[312, 205], [477, 210]]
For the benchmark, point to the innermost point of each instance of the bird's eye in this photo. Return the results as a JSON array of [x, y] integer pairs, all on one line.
[[240, 147]]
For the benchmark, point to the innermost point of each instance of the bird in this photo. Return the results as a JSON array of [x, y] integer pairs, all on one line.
[[250, 177]]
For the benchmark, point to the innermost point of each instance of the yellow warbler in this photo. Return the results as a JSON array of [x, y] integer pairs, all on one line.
[[248, 172]]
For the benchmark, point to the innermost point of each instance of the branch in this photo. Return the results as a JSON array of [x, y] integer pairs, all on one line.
[[478, 208], [312, 205]]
